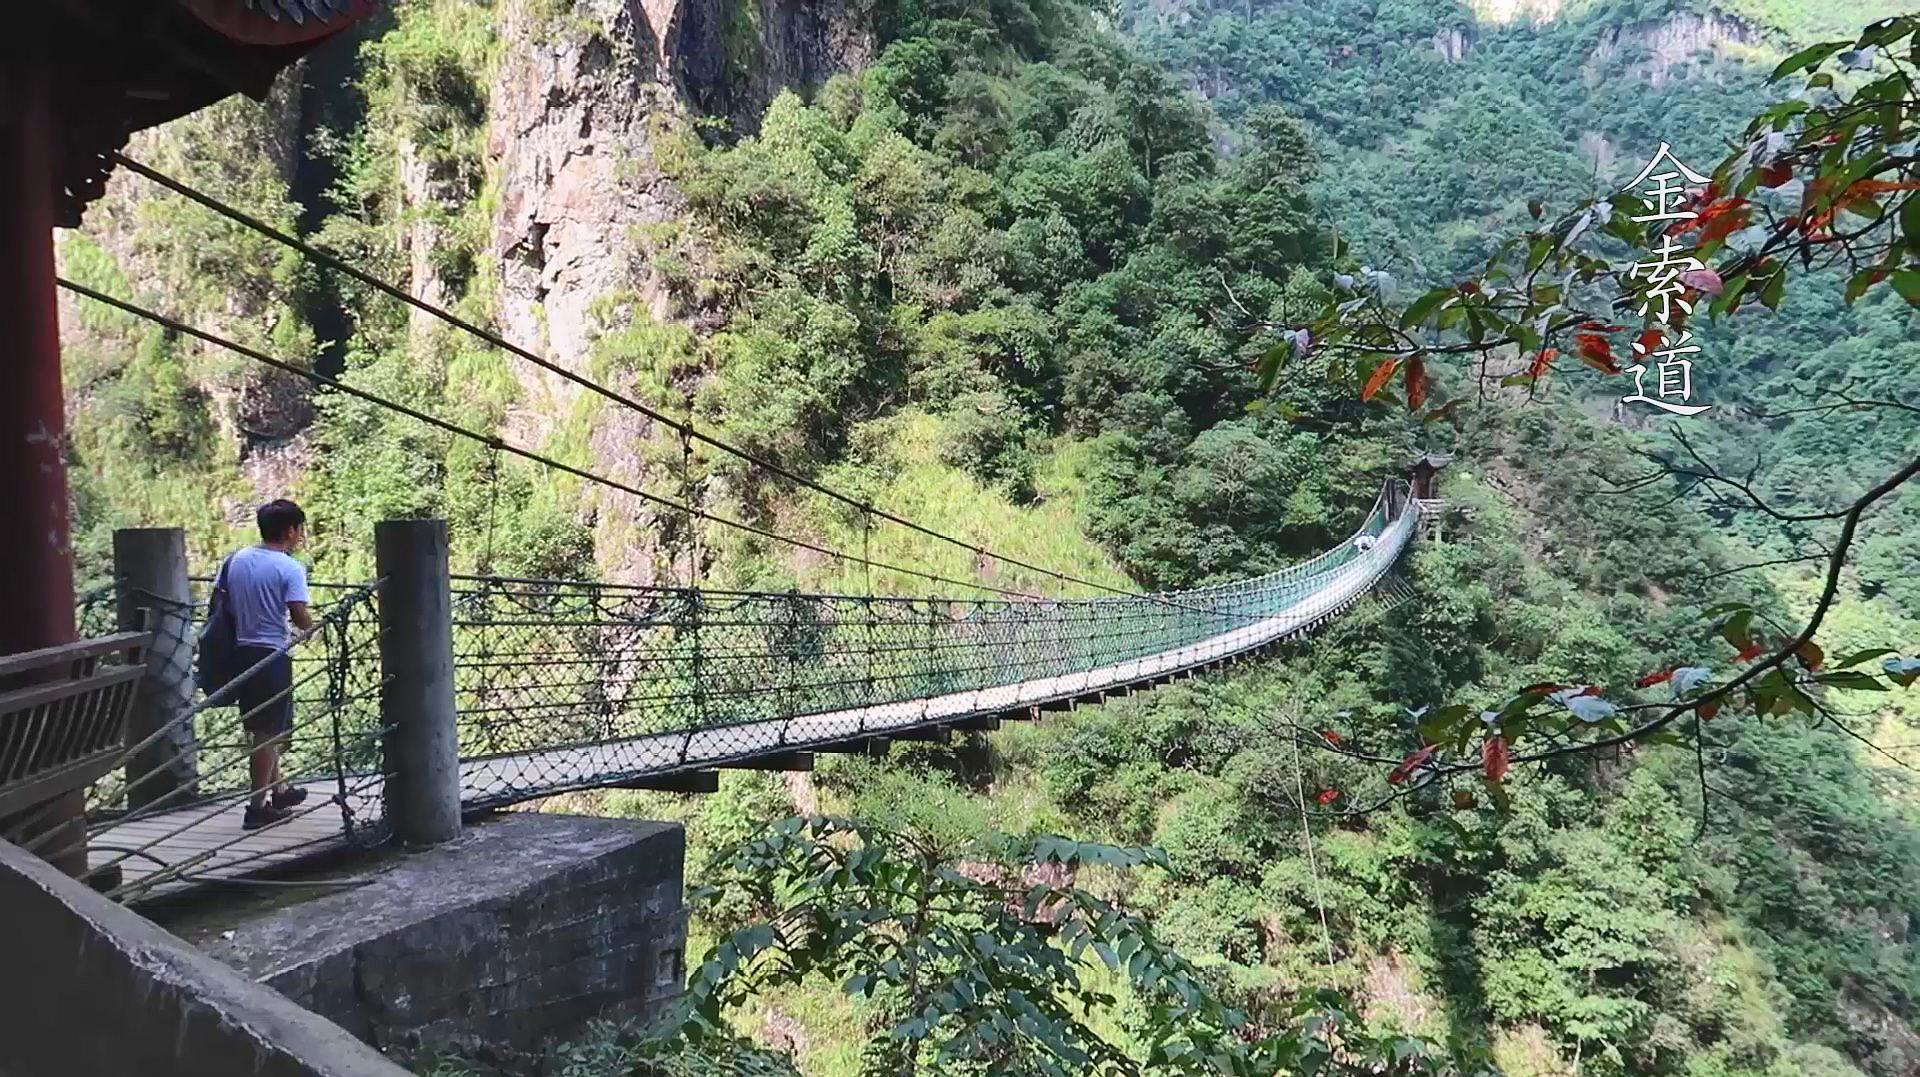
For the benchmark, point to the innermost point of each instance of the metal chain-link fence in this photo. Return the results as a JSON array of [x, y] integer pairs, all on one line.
[[564, 684]]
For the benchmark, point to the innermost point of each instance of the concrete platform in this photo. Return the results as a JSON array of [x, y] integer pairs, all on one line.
[[527, 927]]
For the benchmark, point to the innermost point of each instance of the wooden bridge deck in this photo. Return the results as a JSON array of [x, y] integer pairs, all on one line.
[[187, 847]]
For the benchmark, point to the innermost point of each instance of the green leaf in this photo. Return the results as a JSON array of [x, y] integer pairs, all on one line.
[[1806, 58], [1777, 116], [1775, 288], [1858, 284], [1729, 298], [1419, 309], [1886, 31], [1735, 631], [1800, 700], [1907, 283], [1502, 800], [1538, 252], [1853, 680], [1868, 655], [1271, 362]]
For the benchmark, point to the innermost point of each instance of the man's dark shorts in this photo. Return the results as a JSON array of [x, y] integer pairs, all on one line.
[[266, 698]]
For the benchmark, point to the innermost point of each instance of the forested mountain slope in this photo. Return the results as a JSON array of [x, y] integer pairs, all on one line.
[[996, 267], [1441, 121]]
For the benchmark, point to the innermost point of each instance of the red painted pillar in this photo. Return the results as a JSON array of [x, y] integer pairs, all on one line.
[[36, 554]]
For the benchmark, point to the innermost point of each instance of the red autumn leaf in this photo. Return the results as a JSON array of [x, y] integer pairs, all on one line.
[[1868, 187], [1857, 190], [1649, 341], [1775, 174], [1468, 287], [1596, 352], [1708, 710], [1651, 679], [1704, 279], [1601, 327], [1723, 226], [1332, 738], [1751, 650], [1811, 655], [1326, 796], [1544, 688], [1416, 381], [1379, 378], [1542, 362], [1724, 209], [1408, 765], [1589, 690], [1494, 758]]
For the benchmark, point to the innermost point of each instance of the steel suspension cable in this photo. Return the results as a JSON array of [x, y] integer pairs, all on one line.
[[495, 442], [687, 429]]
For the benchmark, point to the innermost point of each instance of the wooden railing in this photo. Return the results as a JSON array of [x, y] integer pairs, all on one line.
[[63, 713]]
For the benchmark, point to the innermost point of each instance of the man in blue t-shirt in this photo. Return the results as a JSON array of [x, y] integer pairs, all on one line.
[[266, 589]]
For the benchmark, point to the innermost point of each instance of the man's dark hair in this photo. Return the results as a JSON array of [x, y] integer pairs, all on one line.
[[278, 517]]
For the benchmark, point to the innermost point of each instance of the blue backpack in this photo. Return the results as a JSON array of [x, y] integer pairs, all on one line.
[[213, 655]]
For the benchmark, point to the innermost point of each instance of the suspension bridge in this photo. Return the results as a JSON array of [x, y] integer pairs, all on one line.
[[564, 685]]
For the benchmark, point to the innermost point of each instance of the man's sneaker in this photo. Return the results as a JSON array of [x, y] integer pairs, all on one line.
[[259, 815], [288, 797]]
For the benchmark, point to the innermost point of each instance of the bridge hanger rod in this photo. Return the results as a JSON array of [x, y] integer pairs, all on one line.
[[501, 444], [335, 263], [686, 428], [491, 441]]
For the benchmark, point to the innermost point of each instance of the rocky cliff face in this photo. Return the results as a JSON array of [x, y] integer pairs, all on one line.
[[1655, 49], [573, 101], [578, 109], [577, 105]]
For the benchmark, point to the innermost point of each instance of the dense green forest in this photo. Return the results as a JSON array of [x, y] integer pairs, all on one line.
[[1012, 278]]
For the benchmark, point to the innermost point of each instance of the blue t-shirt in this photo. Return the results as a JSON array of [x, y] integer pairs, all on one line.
[[260, 583]]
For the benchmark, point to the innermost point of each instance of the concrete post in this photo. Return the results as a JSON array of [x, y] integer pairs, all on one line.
[[416, 662], [152, 592]]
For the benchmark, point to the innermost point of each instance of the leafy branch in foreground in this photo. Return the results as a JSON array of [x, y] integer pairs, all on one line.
[[990, 959], [1822, 181]]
